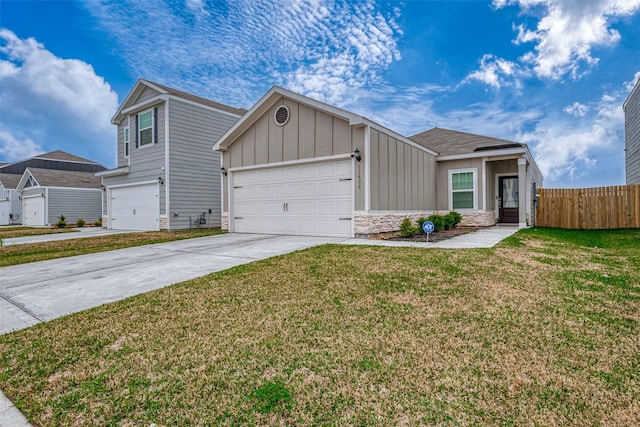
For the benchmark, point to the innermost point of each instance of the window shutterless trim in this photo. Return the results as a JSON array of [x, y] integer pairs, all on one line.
[[450, 189]]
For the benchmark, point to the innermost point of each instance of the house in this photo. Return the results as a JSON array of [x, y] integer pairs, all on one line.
[[631, 108], [166, 175], [294, 165], [11, 173], [9, 199], [49, 193], [487, 179]]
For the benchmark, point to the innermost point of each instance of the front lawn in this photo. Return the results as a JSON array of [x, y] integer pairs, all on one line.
[[7, 233], [541, 330], [31, 252]]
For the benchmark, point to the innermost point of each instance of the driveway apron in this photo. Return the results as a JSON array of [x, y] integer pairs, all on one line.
[[42, 291]]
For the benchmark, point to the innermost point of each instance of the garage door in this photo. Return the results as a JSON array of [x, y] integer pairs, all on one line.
[[314, 200], [5, 210], [135, 207], [33, 211]]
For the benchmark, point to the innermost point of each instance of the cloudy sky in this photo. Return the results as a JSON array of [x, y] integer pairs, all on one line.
[[553, 74]]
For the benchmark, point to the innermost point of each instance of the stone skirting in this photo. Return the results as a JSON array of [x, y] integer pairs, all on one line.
[[105, 221], [164, 223], [368, 223], [224, 221]]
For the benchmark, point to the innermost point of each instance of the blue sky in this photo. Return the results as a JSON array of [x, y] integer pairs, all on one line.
[[552, 74]]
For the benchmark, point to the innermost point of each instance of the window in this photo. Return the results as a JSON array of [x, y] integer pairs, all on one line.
[[463, 189], [127, 138], [145, 125]]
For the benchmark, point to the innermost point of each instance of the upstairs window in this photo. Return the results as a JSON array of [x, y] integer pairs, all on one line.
[[462, 184], [127, 139], [145, 128]]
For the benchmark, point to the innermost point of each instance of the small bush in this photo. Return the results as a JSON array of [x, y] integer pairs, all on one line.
[[421, 221], [407, 229], [438, 222], [79, 222], [98, 223], [62, 223], [456, 217]]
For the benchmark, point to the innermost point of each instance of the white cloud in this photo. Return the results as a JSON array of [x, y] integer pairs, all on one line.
[[13, 149], [496, 72], [576, 109], [567, 32], [50, 101], [317, 47]]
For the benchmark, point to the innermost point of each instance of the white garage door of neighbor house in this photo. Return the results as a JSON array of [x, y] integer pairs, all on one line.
[[33, 211], [313, 199], [135, 207], [5, 210]]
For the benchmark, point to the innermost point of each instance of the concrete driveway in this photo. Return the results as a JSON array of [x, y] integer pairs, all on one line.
[[41, 291]]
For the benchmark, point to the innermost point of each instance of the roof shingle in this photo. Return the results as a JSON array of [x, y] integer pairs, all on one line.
[[451, 142]]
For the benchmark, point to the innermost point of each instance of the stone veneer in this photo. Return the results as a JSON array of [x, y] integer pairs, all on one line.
[[105, 221], [224, 221], [383, 221], [164, 225]]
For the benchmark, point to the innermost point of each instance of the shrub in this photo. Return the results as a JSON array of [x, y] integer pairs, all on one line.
[[407, 229], [62, 223], [438, 222], [456, 217], [98, 223], [421, 221], [79, 222]]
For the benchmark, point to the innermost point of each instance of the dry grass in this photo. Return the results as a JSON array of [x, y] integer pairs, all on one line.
[[10, 232], [539, 331], [32, 252]]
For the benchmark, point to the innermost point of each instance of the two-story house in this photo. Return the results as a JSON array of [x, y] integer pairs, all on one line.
[[166, 177], [631, 109]]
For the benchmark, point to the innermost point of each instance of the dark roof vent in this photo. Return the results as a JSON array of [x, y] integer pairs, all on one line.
[[281, 116], [498, 147]]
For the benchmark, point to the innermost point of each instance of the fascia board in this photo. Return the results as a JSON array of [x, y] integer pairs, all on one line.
[[490, 153]]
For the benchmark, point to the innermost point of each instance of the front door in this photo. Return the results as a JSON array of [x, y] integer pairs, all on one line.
[[508, 205]]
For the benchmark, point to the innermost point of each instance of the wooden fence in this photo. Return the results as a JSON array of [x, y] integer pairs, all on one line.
[[589, 208]]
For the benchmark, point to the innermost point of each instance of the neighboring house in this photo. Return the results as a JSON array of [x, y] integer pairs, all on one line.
[[294, 165], [11, 173], [9, 199], [631, 108], [48, 193], [485, 178], [166, 175]]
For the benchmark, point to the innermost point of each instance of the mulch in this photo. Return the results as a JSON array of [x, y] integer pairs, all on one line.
[[436, 236]]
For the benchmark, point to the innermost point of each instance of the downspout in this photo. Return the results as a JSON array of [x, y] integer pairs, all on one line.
[[167, 180], [46, 206], [367, 168], [484, 184]]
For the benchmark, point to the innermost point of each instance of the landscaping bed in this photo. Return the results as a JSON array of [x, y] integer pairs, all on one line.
[[436, 236]]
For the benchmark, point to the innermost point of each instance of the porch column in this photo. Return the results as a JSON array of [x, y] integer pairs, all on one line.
[[522, 192]]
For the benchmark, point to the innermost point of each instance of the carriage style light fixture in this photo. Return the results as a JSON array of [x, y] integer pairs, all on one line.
[[356, 154], [160, 180], [223, 171]]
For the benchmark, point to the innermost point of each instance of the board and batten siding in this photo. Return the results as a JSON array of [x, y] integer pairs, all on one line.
[[402, 176], [632, 136], [73, 203], [194, 168], [308, 133]]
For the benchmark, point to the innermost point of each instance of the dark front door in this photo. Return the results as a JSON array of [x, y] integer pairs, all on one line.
[[508, 199]]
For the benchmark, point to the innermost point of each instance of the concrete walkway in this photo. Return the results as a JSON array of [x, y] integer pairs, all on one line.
[[42, 291]]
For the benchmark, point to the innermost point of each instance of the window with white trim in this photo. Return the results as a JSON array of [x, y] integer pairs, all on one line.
[[145, 128], [462, 189], [127, 140]]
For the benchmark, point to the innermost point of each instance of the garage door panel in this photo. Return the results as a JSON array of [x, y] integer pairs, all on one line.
[[306, 200], [135, 207], [33, 211]]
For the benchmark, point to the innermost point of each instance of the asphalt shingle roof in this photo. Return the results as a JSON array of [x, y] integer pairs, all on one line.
[[58, 178], [10, 180], [451, 142], [200, 100], [64, 156]]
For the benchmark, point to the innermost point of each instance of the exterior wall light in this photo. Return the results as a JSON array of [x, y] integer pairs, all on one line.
[[160, 180], [356, 154], [223, 171]]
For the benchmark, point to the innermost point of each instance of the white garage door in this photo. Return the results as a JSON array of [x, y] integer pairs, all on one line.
[[5, 210], [33, 211], [135, 207], [314, 200]]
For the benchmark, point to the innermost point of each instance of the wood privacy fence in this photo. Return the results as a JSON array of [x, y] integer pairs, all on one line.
[[589, 208]]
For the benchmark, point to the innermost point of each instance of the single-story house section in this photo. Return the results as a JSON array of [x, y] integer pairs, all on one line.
[[294, 165], [9, 199], [486, 179], [166, 175], [46, 194]]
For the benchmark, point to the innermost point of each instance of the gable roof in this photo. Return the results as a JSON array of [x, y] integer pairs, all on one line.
[[10, 180], [64, 156], [274, 94], [451, 142], [167, 92], [57, 159], [58, 178]]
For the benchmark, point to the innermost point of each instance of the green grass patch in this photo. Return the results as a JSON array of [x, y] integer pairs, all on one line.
[[353, 335], [8, 233], [32, 252]]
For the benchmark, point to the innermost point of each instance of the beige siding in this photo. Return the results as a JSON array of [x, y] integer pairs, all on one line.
[[357, 140], [402, 176]]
